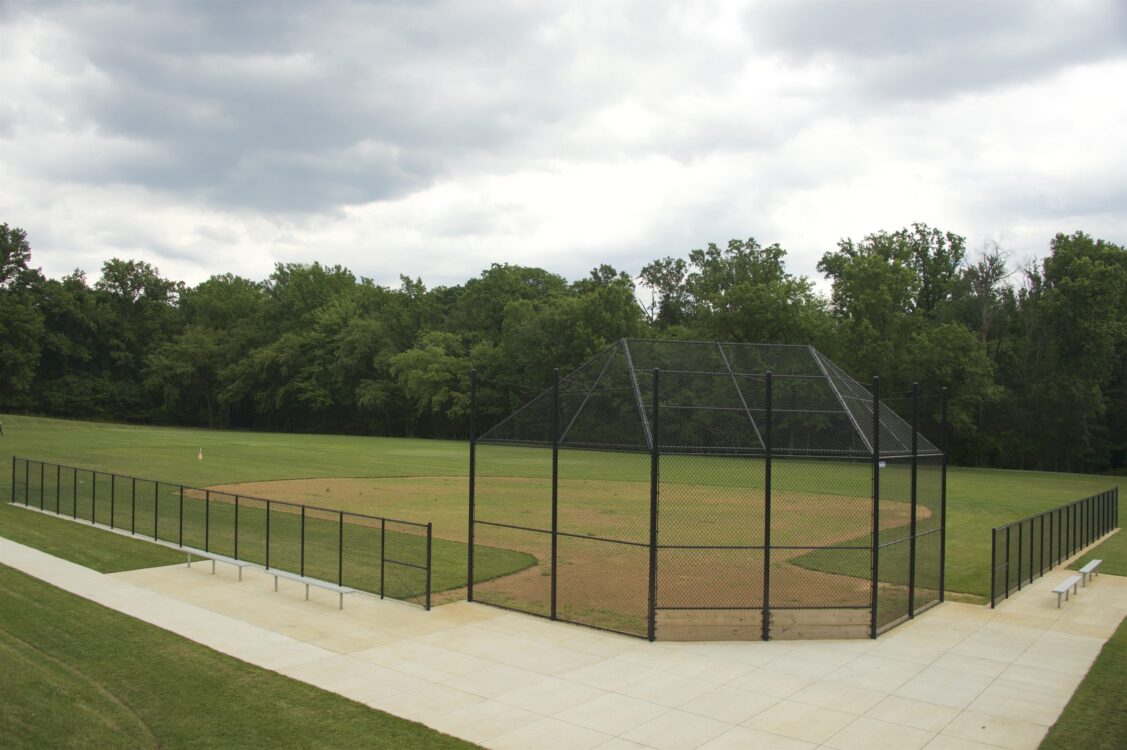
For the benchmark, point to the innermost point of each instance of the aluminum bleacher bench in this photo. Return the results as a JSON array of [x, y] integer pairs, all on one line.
[[214, 557], [1067, 586], [341, 590], [1089, 570]]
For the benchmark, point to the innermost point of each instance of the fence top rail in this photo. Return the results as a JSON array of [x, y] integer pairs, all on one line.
[[240, 495], [1113, 489]]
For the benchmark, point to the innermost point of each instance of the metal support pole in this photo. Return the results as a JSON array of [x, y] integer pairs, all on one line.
[[1008, 558], [1041, 548], [74, 493], [180, 513], [133, 506], [655, 452], [993, 567], [93, 496], [555, 487], [236, 544], [473, 477], [876, 504], [302, 570], [914, 486], [13, 479], [943, 497], [767, 438], [58, 486], [206, 520], [156, 510], [42, 474], [1020, 547], [429, 538], [113, 498], [268, 535], [340, 551], [383, 556]]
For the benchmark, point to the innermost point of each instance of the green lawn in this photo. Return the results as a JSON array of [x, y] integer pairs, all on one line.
[[80, 675], [1113, 552]]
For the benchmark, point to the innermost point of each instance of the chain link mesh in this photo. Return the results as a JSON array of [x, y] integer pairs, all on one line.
[[727, 539]]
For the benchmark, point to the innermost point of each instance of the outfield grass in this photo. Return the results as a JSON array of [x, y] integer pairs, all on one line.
[[435, 472], [80, 675]]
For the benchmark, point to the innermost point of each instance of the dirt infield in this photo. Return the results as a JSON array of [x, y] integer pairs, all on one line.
[[612, 509]]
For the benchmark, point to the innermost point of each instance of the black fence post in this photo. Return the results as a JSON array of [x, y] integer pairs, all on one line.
[[206, 520], [1041, 548], [42, 474], [236, 542], [383, 555], [913, 489], [1020, 547], [113, 498], [180, 512], [302, 570], [1052, 533], [156, 510], [429, 537], [993, 567], [133, 506], [555, 487], [13, 479], [1008, 529], [58, 486], [655, 452], [769, 417], [93, 496], [876, 503], [943, 497], [268, 535], [74, 493], [473, 477], [340, 551], [26, 482]]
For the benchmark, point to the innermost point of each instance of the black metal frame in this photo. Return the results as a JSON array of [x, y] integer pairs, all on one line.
[[1075, 525], [344, 518], [656, 448]]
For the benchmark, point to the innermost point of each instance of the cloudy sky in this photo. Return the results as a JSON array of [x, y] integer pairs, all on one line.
[[434, 138]]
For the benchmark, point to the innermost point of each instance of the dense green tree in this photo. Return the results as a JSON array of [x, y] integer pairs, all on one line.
[[21, 322]]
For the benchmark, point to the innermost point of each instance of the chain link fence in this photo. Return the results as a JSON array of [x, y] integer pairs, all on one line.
[[701, 490], [382, 556], [1022, 551]]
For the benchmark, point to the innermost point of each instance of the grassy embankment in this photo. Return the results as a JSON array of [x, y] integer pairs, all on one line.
[[81, 675]]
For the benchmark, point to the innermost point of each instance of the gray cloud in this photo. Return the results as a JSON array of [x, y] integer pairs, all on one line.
[[935, 48]]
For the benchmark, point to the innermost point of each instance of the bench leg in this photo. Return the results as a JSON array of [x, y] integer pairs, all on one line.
[[307, 592], [341, 600], [189, 559], [213, 567], [1058, 600], [275, 583], [240, 572]]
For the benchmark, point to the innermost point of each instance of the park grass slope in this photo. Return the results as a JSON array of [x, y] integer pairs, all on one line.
[[79, 675]]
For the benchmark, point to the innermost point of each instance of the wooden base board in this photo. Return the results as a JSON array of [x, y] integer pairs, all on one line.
[[747, 624]]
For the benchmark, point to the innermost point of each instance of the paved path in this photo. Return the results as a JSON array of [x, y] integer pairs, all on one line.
[[959, 676]]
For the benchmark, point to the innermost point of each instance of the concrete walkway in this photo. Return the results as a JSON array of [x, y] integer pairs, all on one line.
[[959, 676]]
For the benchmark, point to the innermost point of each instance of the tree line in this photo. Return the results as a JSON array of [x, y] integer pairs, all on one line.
[[1034, 359]]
